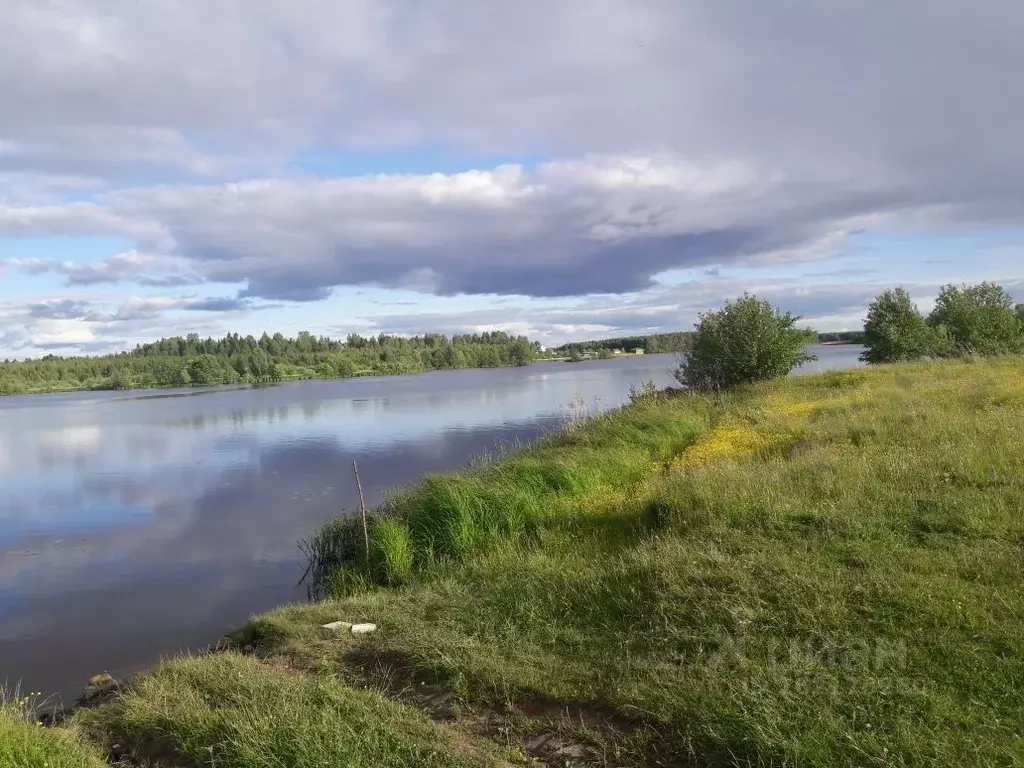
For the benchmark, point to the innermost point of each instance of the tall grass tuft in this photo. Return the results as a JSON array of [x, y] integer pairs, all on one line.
[[392, 552]]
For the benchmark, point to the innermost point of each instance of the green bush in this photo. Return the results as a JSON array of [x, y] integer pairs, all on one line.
[[204, 370], [748, 340], [979, 319], [895, 330]]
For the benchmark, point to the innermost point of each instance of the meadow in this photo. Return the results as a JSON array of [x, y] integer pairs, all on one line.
[[823, 570]]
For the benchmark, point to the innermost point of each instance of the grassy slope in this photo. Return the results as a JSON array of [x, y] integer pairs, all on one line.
[[25, 744], [820, 571]]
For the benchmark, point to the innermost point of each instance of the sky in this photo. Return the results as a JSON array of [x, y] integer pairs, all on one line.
[[569, 170]]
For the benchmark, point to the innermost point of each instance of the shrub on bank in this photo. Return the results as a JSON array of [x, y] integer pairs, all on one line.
[[746, 341], [978, 319], [967, 320], [895, 330]]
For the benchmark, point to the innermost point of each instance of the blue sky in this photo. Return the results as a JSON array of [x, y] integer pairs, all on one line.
[[584, 169]]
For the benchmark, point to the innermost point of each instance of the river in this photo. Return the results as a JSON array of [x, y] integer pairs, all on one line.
[[134, 525]]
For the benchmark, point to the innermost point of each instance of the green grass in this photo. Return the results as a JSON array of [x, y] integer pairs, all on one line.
[[24, 743], [447, 518], [832, 575], [230, 711], [821, 571]]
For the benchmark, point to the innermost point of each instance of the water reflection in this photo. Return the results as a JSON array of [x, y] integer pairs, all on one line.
[[133, 526]]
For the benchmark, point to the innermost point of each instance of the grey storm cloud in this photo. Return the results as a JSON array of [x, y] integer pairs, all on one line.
[[140, 268], [61, 309], [599, 225], [706, 134]]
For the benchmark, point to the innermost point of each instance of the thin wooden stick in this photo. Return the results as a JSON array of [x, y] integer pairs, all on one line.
[[362, 510]]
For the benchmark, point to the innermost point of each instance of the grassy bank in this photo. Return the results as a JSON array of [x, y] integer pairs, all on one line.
[[24, 743], [825, 570]]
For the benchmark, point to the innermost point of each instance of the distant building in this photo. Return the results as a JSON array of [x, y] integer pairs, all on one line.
[[638, 351]]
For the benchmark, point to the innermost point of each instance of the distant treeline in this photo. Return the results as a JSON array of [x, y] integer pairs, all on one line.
[[845, 337], [668, 343], [652, 345], [192, 361]]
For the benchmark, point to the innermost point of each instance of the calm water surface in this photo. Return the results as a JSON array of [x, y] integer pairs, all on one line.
[[134, 525]]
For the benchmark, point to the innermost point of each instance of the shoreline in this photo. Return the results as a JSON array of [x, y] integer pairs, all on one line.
[[199, 389], [240, 386]]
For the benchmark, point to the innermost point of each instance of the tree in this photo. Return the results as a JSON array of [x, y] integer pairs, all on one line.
[[344, 367], [521, 352], [747, 340], [181, 378], [121, 378], [895, 330], [979, 319], [261, 367], [11, 386], [204, 370], [1020, 312]]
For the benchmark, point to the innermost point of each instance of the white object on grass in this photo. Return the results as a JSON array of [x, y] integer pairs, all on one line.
[[355, 629]]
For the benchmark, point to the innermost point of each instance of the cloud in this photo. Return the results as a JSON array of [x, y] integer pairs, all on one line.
[[794, 81], [74, 218], [59, 333], [113, 152], [80, 325], [60, 309], [36, 188], [136, 308], [141, 268], [218, 304], [602, 224]]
